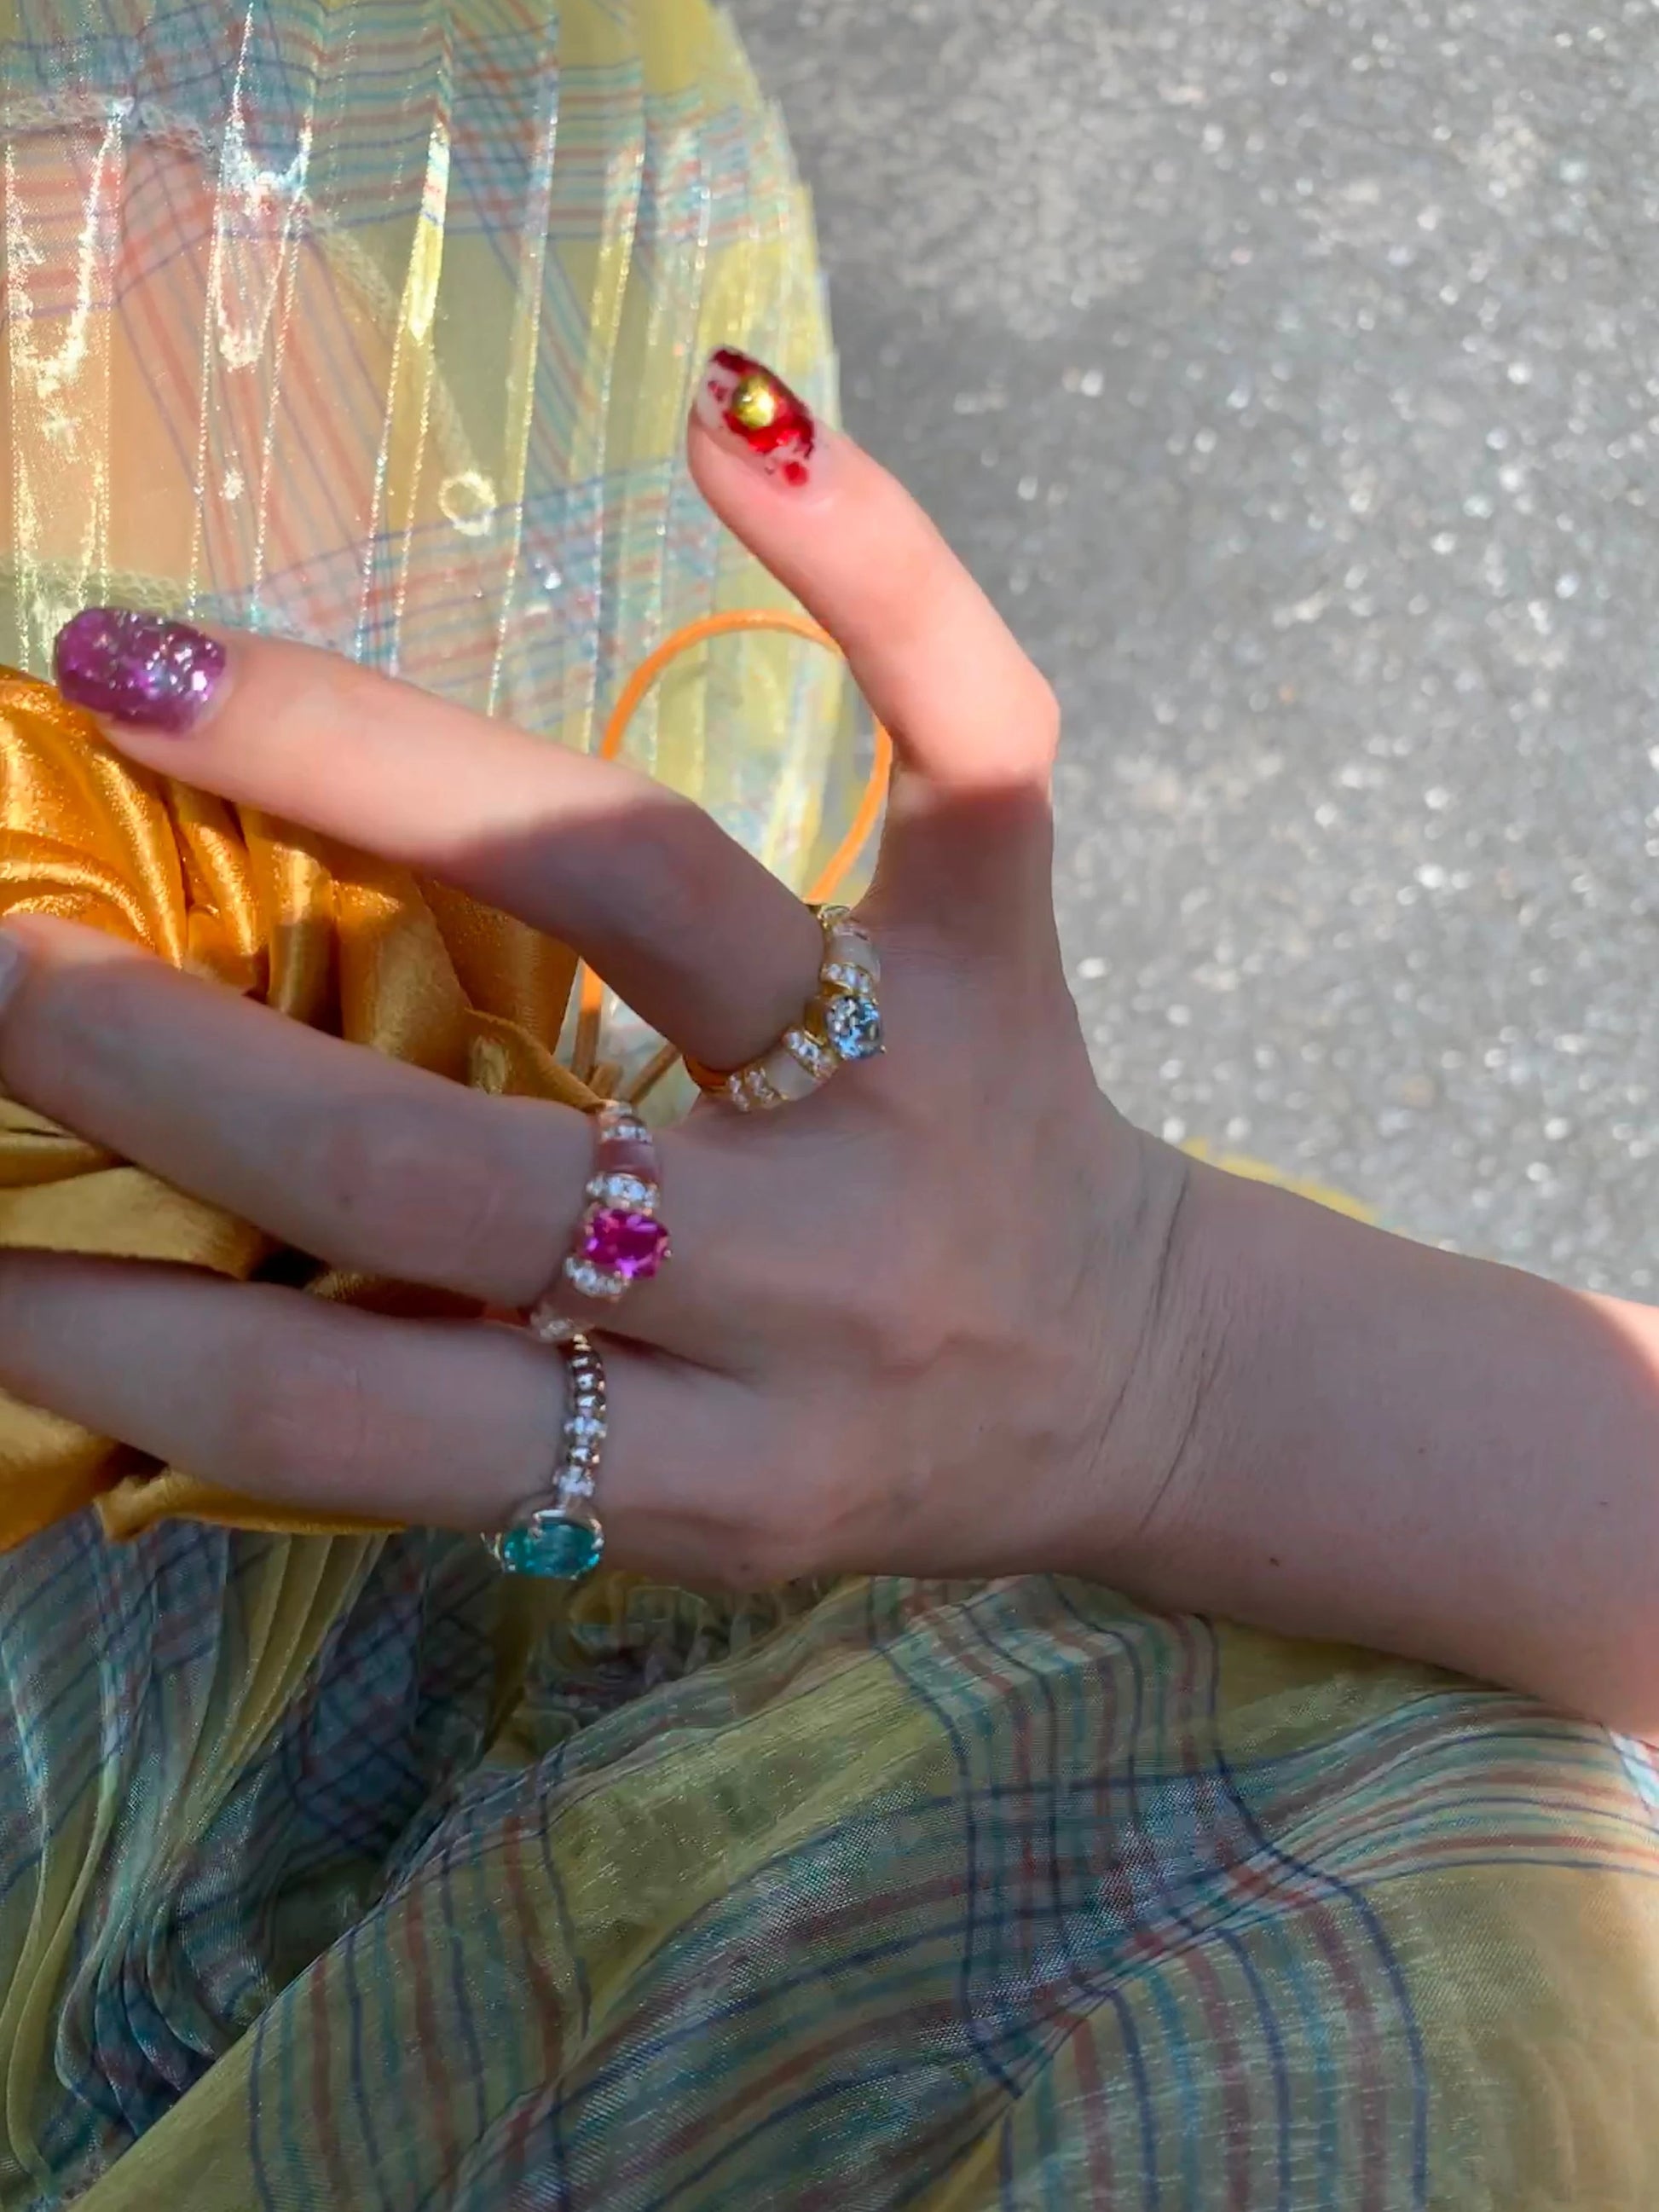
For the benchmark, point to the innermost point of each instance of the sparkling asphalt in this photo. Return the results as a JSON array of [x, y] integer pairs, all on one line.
[[1288, 370]]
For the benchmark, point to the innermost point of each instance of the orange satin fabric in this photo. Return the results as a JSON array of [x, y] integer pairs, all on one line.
[[327, 936]]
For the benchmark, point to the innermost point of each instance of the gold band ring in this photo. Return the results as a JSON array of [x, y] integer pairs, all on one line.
[[840, 1025]]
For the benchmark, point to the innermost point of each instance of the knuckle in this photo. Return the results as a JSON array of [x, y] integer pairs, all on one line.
[[896, 1328], [921, 573], [787, 1542], [1043, 717], [406, 1201], [765, 1559], [332, 696], [73, 1028], [782, 1529], [309, 1423], [665, 867], [363, 1164], [840, 1491]]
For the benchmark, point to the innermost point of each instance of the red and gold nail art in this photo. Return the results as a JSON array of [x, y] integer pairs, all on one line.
[[741, 399]]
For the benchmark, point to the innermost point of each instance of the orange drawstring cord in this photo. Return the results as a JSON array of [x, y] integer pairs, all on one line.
[[835, 871]]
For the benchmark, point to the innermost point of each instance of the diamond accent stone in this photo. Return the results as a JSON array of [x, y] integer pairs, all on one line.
[[625, 1190], [618, 1114], [620, 1124], [548, 1327], [851, 950], [815, 1058], [591, 1283], [854, 1022]]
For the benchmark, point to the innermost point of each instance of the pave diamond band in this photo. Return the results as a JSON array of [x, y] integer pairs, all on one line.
[[563, 1541], [840, 1025]]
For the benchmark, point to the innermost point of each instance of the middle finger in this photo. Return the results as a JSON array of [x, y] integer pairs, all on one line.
[[363, 1162]]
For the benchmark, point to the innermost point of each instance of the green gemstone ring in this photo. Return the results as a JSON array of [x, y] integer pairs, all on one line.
[[553, 1546], [564, 1541]]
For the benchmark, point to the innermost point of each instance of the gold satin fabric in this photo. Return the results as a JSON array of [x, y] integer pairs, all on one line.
[[374, 324], [329, 937]]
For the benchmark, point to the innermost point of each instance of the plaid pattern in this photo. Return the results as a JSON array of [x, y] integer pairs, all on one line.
[[389, 311], [191, 1852], [337, 1873], [883, 1895]]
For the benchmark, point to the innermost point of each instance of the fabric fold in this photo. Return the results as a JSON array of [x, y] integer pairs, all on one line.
[[334, 939]]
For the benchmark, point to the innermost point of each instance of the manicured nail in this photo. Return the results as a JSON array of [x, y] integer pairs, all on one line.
[[746, 407], [11, 968], [143, 669]]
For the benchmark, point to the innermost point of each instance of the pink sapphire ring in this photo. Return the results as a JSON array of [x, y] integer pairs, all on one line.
[[620, 1241]]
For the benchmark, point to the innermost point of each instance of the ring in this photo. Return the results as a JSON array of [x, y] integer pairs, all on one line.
[[840, 1025], [564, 1541], [619, 1240]]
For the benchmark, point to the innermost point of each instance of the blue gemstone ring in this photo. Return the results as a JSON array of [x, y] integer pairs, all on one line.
[[563, 1541], [840, 1025]]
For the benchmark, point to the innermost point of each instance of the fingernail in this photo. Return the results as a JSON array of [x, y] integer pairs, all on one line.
[[754, 412], [142, 669], [12, 965]]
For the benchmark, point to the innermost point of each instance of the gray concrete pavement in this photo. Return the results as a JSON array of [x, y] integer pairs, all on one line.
[[1289, 372]]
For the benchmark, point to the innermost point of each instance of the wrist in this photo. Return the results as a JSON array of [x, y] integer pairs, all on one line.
[[1378, 1442], [1164, 1412]]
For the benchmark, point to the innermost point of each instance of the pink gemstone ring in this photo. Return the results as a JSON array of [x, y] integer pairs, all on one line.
[[620, 1240]]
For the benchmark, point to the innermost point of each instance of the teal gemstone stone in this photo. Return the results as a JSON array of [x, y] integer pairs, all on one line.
[[552, 1550], [853, 1025]]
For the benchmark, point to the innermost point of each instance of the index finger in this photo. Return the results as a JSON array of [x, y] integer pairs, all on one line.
[[967, 708], [690, 929], [968, 847]]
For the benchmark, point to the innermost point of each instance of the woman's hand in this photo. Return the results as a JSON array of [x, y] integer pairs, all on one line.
[[924, 1320]]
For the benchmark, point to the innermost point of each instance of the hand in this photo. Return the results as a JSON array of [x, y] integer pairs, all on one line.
[[922, 1322]]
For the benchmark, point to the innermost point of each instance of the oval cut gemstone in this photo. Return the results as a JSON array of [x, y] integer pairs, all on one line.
[[625, 1243], [854, 1023], [555, 1550]]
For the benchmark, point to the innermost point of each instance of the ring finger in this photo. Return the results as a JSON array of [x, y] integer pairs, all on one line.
[[357, 1160]]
